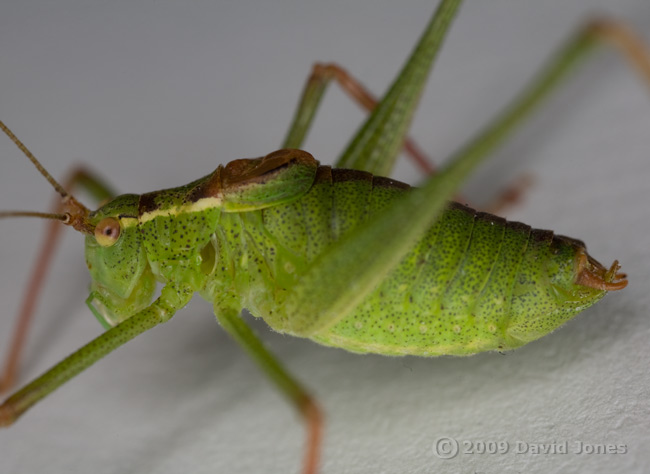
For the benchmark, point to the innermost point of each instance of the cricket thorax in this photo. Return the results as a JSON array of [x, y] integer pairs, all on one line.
[[265, 252]]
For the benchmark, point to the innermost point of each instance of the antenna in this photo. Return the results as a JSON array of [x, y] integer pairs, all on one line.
[[74, 213], [65, 218]]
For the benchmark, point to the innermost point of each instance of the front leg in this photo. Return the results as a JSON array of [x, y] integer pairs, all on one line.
[[158, 312]]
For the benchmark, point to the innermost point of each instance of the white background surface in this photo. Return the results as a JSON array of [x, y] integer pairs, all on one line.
[[155, 94]]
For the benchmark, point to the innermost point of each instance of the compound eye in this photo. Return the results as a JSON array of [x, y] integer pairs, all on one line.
[[107, 231]]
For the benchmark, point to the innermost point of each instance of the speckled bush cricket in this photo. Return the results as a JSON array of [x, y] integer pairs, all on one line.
[[152, 208]]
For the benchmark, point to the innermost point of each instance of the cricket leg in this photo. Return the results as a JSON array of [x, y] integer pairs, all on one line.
[[158, 312], [351, 268], [318, 80], [79, 177], [509, 196], [231, 321], [386, 126], [322, 74], [313, 91], [596, 31], [375, 146]]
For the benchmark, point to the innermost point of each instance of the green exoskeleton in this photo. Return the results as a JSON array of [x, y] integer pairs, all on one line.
[[337, 255]]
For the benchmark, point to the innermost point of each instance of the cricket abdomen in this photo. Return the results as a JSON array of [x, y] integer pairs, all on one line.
[[474, 283], [450, 295], [456, 292]]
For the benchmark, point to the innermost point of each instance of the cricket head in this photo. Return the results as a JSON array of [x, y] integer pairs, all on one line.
[[573, 281], [122, 281]]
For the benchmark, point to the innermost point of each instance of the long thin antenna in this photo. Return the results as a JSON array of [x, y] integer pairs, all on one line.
[[74, 213], [32, 158], [43, 215]]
